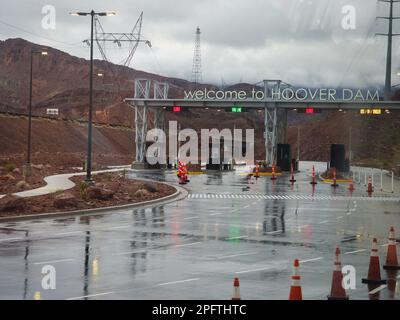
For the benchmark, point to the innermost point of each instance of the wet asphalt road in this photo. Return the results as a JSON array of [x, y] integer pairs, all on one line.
[[192, 249]]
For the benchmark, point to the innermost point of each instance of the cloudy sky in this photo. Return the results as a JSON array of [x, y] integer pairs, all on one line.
[[301, 42]]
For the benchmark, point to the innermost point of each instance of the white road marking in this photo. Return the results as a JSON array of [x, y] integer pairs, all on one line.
[[309, 260], [234, 238], [53, 261], [252, 270], [303, 226], [273, 232], [340, 217], [190, 218], [323, 222], [176, 282], [378, 289], [128, 252], [236, 255], [66, 233], [356, 251], [120, 227], [91, 295], [187, 244], [11, 239]]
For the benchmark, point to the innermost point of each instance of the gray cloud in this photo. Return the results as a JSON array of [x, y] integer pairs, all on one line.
[[299, 41]]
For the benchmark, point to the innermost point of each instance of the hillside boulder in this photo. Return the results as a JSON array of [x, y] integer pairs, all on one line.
[[65, 200], [11, 203], [99, 193]]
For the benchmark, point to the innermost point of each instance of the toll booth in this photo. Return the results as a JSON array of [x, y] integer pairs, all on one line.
[[283, 159], [338, 159]]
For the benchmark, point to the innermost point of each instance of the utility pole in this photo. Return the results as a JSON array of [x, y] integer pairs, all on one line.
[[298, 143], [390, 34], [350, 146]]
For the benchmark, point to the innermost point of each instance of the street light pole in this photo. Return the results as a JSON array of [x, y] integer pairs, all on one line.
[[89, 147], [28, 160]]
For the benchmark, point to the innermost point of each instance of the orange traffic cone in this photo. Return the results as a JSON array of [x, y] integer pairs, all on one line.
[[313, 182], [337, 290], [295, 288], [257, 171], [185, 173], [181, 175], [179, 169], [351, 185], [292, 179], [374, 270], [273, 173], [236, 289], [391, 257], [370, 188], [334, 183]]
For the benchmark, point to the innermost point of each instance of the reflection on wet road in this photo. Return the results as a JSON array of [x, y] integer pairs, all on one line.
[[191, 249]]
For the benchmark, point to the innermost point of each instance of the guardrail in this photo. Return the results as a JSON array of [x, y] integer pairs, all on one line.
[[362, 174]]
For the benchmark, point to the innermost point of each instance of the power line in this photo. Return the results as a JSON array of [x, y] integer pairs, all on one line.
[[37, 35]]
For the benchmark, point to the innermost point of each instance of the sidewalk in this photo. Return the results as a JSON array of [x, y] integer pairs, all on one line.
[[58, 182]]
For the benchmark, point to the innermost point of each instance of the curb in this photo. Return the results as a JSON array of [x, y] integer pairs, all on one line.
[[179, 192]]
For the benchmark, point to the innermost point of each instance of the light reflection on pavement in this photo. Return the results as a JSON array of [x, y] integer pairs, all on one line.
[[192, 249]]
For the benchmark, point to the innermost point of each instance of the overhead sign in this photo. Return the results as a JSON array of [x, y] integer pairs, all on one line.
[[286, 94], [370, 111]]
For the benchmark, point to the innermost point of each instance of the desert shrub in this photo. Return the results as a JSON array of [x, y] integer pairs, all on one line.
[[108, 176], [10, 167], [83, 189]]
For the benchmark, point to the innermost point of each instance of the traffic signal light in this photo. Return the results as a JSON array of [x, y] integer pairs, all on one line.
[[176, 109], [236, 109], [309, 110]]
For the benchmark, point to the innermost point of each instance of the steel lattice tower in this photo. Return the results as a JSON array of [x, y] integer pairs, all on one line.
[[390, 34], [196, 68]]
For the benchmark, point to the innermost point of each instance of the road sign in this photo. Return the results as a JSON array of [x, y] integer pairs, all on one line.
[[370, 111], [52, 111]]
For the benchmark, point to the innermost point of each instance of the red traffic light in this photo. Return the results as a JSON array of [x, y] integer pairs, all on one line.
[[309, 110], [176, 109]]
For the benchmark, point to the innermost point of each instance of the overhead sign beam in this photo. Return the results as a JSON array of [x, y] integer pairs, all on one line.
[[327, 105]]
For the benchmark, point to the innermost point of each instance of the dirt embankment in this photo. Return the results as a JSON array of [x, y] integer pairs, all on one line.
[[63, 143], [111, 189]]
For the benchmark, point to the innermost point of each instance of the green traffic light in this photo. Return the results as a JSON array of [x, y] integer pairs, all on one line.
[[236, 109]]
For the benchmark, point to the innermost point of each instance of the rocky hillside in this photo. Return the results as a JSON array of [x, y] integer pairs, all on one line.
[[61, 80]]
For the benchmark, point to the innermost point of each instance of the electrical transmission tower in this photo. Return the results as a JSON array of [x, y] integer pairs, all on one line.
[[196, 68], [133, 38], [390, 34]]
